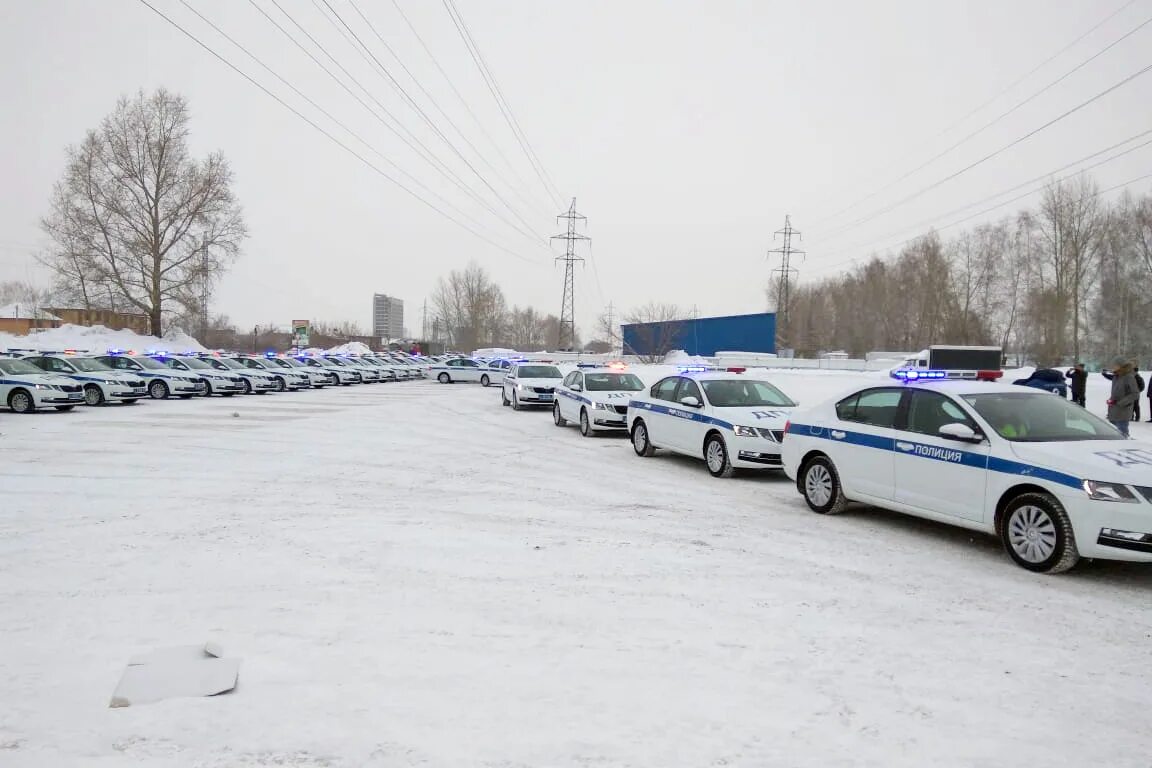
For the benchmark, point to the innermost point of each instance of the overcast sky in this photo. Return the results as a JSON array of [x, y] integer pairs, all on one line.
[[685, 129]]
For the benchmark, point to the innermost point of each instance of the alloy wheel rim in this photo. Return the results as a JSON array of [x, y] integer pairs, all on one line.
[[1032, 534], [640, 438], [92, 396], [20, 402], [818, 485], [715, 456]]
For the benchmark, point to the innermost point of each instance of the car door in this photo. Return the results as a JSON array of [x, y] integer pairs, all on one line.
[[659, 417], [688, 425], [568, 397], [861, 440], [468, 370], [935, 473]]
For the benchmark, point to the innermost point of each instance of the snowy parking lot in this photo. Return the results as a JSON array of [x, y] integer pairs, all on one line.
[[414, 575]]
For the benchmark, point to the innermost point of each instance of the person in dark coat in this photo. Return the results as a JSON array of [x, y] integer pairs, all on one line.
[[1125, 394], [1078, 379], [1140, 384]]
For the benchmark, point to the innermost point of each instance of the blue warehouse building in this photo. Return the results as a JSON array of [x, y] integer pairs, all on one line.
[[704, 336]]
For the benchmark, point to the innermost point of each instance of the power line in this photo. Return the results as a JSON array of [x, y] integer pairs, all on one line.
[[994, 121], [1005, 90], [409, 139], [999, 151], [423, 115], [327, 134], [987, 210], [491, 166], [1042, 177], [501, 102], [567, 330]]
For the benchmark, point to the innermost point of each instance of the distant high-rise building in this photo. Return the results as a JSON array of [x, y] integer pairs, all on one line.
[[387, 317]]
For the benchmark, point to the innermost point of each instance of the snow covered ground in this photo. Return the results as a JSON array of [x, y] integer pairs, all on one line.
[[414, 575]]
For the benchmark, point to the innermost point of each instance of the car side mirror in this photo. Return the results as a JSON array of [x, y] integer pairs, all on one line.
[[690, 401], [961, 432]]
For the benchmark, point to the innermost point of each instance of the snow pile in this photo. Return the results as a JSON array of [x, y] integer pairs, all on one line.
[[97, 338], [680, 357], [351, 348]]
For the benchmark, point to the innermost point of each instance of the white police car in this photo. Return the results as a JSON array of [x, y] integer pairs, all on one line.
[[162, 381], [596, 399], [316, 376], [218, 382], [24, 388], [530, 384], [368, 374], [453, 369], [731, 420], [343, 375], [287, 379], [494, 371], [101, 384], [1053, 481], [255, 381]]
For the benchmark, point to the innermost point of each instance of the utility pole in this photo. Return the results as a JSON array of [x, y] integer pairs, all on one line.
[[787, 273], [567, 334], [424, 322], [610, 320]]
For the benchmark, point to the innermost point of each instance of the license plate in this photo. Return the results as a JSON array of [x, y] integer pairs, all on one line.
[[75, 396], [545, 397]]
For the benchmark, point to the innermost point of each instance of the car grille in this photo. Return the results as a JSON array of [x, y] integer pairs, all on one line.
[[70, 387], [620, 408], [543, 390], [237, 380], [776, 435], [138, 385]]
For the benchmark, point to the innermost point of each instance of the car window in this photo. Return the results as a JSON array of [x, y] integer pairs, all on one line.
[[665, 389], [56, 365], [570, 379], [876, 407], [928, 411], [689, 388], [469, 364]]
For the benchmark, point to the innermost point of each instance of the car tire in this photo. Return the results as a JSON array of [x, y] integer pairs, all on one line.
[[819, 482], [557, 419], [504, 397], [515, 401], [21, 401], [485, 381], [64, 408], [93, 395], [585, 425], [247, 387], [716, 457], [158, 390], [641, 443], [1038, 535], [444, 378], [281, 385]]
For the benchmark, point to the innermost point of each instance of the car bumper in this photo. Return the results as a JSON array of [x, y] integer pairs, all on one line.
[[129, 394], [1111, 530], [534, 398], [52, 397], [754, 453], [607, 420]]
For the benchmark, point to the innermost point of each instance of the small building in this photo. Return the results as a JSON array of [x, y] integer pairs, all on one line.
[[20, 319], [113, 321]]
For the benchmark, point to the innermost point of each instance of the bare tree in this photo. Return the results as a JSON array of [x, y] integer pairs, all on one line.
[[24, 294], [135, 220], [660, 327], [470, 307]]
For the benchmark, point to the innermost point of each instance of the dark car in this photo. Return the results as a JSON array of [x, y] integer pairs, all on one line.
[[1047, 379]]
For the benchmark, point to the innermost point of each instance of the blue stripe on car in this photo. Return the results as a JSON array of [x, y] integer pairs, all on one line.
[[679, 413]]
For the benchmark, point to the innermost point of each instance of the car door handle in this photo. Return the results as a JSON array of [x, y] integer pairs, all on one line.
[[838, 435]]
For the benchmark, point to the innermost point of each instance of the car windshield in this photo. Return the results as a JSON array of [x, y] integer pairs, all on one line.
[[18, 367], [332, 361], [88, 365], [230, 363], [612, 382], [276, 362], [147, 362], [539, 372], [1027, 417], [744, 393], [292, 362], [192, 362]]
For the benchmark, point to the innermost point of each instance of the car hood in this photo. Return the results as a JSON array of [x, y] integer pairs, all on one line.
[[611, 397], [767, 417], [38, 378], [540, 382], [1109, 461]]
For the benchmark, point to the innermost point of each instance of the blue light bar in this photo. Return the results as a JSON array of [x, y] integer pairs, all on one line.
[[917, 374], [692, 368]]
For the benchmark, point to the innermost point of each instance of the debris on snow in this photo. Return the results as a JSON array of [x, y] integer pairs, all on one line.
[[182, 671]]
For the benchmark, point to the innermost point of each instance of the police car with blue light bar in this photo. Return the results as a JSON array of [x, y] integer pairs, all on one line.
[[162, 381], [596, 399], [101, 384], [1054, 482], [731, 420], [24, 388]]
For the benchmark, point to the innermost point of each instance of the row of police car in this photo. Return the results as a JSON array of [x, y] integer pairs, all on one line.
[[1054, 482], [35, 379]]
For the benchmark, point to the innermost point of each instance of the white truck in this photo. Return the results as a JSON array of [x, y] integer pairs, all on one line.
[[958, 362]]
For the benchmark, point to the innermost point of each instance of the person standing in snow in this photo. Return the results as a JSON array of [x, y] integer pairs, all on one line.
[[1140, 385], [1125, 394], [1079, 381]]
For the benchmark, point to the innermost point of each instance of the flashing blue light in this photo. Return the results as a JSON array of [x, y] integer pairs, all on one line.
[[917, 374], [116, 352], [692, 368]]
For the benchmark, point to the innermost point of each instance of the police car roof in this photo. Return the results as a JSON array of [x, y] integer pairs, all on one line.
[[965, 386]]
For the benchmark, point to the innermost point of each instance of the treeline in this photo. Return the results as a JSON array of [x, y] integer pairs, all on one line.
[[1069, 280]]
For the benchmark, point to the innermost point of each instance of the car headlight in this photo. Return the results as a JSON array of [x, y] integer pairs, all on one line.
[[1098, 491], [601, 406], [42, 386], [745, 431]]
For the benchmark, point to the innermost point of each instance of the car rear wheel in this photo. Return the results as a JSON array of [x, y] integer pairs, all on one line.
[[93, 395], [640, 441], [158, 390], [820, 484], [484, 380], [444, 378], [585, 425], [716, 457], [559, 420], [1038, 535], [21, 401]]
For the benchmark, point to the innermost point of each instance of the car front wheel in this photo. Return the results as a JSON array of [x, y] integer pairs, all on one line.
[[820, 484], [716, 457], [559, 420], [93, 395], [585, 425], [158, 390], [21, 401], [1038, 535], [640, 440]]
